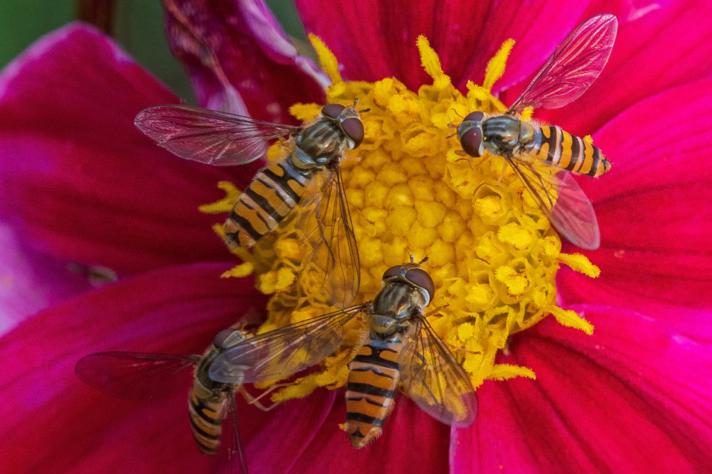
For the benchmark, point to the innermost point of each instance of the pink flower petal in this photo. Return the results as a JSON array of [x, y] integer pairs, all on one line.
[[30, 282], [659, 46], [240, 59], [77, 180], [375, 39], [629, 399], [655, 206], [76, 429], [575, 288], [412, 442], [290, 432]]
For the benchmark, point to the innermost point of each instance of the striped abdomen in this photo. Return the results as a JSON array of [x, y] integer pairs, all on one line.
[[269, 198], [570, 152], [371, 389], [207, 412]]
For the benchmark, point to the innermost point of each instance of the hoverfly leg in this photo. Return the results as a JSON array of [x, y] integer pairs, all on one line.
[[235, 446], [255, 401]]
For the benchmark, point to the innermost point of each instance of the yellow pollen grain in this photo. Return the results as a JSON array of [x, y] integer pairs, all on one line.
[[412, 192]]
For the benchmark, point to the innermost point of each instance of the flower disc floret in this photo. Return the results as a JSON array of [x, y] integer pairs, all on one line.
[[412, 193]]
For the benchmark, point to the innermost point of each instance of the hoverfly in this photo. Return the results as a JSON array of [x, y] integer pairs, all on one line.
[[137, 376], [569, 72], [310, 173], [399, 349]]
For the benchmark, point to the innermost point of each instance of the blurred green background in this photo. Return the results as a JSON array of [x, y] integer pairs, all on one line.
[[138, 27]]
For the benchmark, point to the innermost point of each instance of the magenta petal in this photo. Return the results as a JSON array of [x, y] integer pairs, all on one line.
[[660, 46], [76, 429], [239, 58], [412, 442], [292, 428], [30, 282], [77, 180], [375, 39], [655, 206], [629, 399]]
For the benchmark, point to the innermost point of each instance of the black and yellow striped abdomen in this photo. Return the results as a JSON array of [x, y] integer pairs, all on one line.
[[269, 198], [371, 390], [560, 148], [207, 411]]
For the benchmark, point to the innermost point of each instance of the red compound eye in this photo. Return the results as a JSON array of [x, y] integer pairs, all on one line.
[[332, 110], [353, 128], [420, 277], [394, 272], [471, 140]]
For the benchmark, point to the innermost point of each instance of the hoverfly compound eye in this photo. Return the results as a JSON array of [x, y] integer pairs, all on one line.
[[474, 117], [470, 133], [332, 110], [420, 278], [471, 141], [393, 272], [353, 128], [221, 338]]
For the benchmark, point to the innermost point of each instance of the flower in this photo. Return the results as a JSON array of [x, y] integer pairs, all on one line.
[[78, 183]]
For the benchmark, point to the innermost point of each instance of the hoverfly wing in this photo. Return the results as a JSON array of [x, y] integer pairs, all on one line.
[[330, 238], [573, 67], [434, 380], [278, 354], [231, 452], [563, 201], [135, 375], [206, 136]]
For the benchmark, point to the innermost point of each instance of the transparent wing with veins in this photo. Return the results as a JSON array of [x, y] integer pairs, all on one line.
[[137, 375], [278, 354], [331, 243], [563, 201], [434, 380], [573, 67], [206, 136]]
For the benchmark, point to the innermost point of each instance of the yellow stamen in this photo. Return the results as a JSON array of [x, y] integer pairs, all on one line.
[[223, 205], [492, 253], [571, 319], [431, 63], [580, 263], [497, 65], [327, 59], [508, 371]]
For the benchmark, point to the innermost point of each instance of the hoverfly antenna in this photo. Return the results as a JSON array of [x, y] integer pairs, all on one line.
[[364, 110], [423, 260], [356, 99]]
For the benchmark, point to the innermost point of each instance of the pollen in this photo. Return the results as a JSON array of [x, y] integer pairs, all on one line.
[[491, 252]]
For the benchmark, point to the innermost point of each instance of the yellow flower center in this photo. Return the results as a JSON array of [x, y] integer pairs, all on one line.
[[491, 252]]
